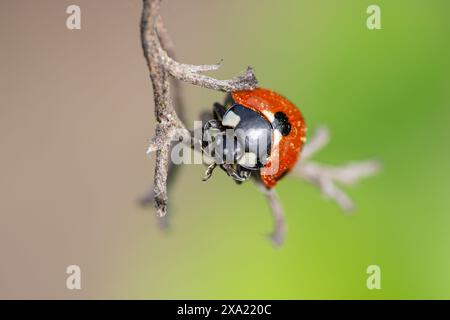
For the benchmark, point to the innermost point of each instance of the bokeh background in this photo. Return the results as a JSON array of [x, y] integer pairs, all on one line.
[[76, 114]]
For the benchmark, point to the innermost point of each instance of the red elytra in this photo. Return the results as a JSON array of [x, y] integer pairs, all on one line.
[[285, 152]]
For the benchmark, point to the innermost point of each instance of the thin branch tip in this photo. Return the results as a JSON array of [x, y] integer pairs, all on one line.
[[325, 177], [246, 81], [152, 147]]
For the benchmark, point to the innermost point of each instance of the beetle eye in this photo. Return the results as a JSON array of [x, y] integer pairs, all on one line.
[[281, 123]]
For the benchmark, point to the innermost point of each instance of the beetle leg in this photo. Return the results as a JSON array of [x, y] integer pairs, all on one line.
[[233, 173], [237, 175], [218, 111], [244, 174], [209, 171], [213, 124]]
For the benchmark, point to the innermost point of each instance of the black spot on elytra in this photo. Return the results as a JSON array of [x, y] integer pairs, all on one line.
[[281, 123]]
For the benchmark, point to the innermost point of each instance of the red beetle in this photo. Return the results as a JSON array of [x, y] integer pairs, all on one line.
[[257, 131]]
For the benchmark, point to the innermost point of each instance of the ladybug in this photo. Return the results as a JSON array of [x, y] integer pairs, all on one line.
[[256, 131]]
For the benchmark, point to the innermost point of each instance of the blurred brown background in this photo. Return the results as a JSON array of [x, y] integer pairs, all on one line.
[[75, 116]]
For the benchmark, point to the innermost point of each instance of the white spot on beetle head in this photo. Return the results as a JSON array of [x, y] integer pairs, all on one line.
[[231, 119], [248, 160]]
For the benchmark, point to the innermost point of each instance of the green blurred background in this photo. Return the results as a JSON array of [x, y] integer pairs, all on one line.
[[383, 93]]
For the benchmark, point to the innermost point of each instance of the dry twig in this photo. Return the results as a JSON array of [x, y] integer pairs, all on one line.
[[161, 66]]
